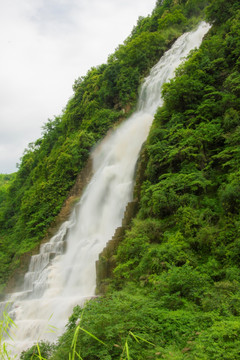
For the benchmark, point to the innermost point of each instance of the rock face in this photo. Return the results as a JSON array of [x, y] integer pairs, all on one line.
[[74, 195], [106, 262], [107, 259]]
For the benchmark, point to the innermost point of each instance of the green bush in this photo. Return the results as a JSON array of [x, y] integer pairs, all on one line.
[[42, 350]]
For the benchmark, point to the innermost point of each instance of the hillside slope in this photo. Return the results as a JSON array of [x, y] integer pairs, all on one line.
[[176, 284], [175, 291], [102, 98]]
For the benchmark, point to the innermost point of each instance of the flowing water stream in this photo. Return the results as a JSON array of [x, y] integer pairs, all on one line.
[[57, 280]]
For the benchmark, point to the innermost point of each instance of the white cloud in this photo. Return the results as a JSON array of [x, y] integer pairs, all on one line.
[[45, 46]]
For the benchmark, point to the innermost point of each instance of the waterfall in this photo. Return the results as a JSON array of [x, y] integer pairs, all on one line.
[[63, 273]]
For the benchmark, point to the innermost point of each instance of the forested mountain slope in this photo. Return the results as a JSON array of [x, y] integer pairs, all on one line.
[[49, 167], [177, 280]]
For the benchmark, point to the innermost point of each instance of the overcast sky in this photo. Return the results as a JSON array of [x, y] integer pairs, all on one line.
[[45, 46]]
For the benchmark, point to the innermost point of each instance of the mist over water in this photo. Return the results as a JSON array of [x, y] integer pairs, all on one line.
[[57, 280]]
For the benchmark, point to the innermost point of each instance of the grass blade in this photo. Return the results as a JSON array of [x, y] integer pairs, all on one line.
[[93, 336], [136, 337]]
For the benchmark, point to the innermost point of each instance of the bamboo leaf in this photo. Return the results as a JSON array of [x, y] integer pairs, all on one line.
[[93, 336], [39, 353], [127, 350], [136, 337], [78, 355]]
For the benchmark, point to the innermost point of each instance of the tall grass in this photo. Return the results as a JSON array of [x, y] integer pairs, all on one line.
[[5, 353], [5, 324]]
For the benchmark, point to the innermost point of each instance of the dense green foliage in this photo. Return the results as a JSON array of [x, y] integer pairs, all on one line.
[[176, 285], [40, 351], [49, 167], [5, 182], [177, 281]]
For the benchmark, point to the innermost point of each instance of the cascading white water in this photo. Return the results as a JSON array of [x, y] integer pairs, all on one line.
[[58, 280]]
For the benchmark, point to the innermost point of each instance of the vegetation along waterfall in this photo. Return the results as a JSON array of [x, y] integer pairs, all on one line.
[[57, 280]]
